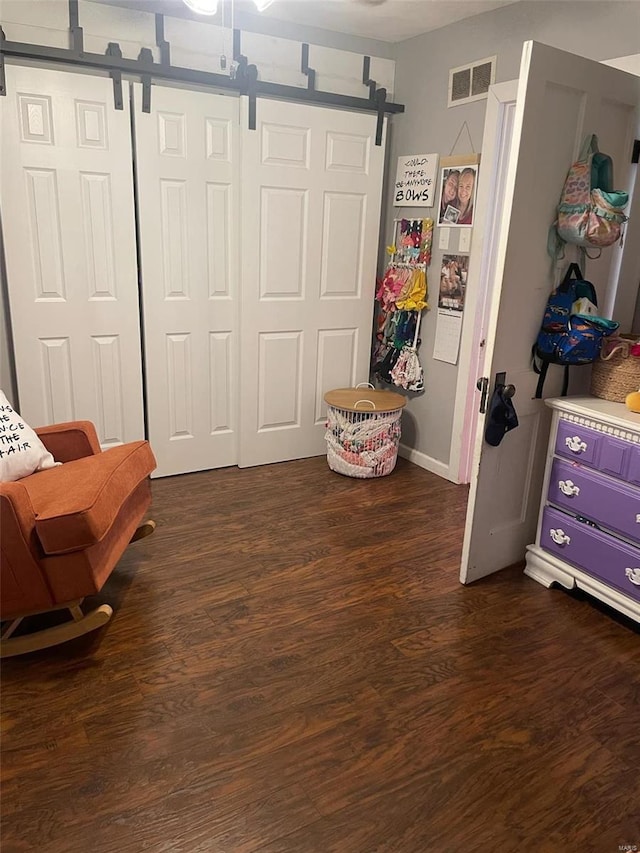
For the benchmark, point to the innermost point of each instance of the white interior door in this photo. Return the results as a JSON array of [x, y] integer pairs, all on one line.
[[311, 187], [187, 157], [69, 237], [561, 97]]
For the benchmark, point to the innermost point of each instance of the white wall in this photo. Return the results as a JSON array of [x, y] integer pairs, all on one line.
[[596, 30]]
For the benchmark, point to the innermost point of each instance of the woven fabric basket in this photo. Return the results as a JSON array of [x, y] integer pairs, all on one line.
[[363, 433], [616, 373]]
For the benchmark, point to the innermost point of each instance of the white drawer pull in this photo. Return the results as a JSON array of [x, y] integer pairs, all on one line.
[[576, 444], [559, 536], [567, 487], [633, 575], [638, 518]]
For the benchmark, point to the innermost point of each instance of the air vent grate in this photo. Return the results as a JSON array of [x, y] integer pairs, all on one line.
[[471, 82], [482, 78], [461, 85]]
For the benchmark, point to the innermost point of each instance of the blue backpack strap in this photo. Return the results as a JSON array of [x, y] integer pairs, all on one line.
[[540, 371], [584, 287], [572, 270], [542, 375]]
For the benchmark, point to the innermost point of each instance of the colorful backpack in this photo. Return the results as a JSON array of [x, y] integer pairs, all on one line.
[[565, 337], [590, 211]]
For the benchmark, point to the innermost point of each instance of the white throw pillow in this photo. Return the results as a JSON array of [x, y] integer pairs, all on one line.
[[21, 451]]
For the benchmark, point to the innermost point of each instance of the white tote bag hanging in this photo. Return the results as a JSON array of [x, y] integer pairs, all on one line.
[[407, 371]]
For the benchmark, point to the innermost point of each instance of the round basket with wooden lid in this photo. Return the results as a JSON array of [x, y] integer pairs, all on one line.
[[363, 430]]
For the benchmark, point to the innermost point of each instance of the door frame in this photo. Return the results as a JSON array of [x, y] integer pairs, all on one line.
[[496, 148]]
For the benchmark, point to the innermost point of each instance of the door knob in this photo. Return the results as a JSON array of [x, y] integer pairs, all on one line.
[[507, 391]]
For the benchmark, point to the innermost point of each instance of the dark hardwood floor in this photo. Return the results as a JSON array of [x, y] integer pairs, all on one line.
[[293, 666]]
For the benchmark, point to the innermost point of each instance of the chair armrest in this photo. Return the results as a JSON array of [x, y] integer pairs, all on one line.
[[16, 511], [70, 441], [23, 585]]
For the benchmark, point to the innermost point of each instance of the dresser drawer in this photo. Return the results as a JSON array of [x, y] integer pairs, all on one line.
[[577, 442], [632, 474], [588, 493], [599, 554], [599, 450]]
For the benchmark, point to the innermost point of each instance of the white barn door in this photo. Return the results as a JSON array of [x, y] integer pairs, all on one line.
[[187, 158], [311, 187], [561, 98], [69, 237]]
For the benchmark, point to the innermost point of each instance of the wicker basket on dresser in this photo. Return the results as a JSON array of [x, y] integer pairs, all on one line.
[[589, 525]]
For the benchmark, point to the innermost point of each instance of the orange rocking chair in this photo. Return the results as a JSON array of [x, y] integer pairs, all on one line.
[[63, 531]]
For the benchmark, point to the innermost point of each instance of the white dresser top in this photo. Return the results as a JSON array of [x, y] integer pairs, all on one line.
[[615, 414]]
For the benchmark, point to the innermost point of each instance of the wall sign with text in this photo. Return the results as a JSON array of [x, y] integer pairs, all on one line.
[[415, 181]]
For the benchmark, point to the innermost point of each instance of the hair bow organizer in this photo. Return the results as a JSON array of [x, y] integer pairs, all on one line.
[[401, 297]]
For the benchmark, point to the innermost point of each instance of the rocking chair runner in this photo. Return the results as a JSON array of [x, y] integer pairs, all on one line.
[[63, 531]]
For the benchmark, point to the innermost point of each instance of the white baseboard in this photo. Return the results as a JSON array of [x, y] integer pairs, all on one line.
[[426, 462]]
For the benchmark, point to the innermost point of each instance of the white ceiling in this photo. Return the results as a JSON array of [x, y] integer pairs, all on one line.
[[389, 20]]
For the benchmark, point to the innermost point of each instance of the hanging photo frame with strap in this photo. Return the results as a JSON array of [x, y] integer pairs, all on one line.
[[458, 182]]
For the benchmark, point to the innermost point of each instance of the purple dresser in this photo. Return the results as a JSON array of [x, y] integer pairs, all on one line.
[[589, 524]]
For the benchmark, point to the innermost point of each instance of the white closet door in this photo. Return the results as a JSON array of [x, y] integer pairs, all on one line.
[[187, 165], [69, 232], [311, 187]]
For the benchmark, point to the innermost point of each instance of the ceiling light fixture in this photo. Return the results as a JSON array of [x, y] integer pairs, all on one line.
[[203, 7], [210, 7]]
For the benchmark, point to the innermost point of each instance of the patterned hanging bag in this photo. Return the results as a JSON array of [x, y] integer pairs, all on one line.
[[590, 211]]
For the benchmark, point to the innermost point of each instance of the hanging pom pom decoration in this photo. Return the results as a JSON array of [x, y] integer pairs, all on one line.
[[401, 296]]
